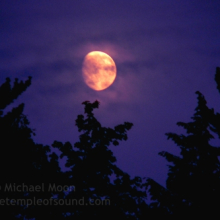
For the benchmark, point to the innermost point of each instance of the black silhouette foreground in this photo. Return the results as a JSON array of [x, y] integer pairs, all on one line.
[[33, 186], [193, 182]]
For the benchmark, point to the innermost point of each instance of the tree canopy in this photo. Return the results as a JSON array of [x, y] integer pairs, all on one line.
[[23, 162], [104, 187], [93, 186], [193, 182]]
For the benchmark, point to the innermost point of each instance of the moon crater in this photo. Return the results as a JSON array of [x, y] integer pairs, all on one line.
[[99, 70]]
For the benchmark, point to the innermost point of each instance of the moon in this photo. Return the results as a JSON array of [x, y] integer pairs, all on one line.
[[99, 70]]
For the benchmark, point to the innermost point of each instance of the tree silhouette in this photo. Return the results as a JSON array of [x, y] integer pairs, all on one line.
[[105, 189], [94, 185], [193, 182], [23, 162], [8, 94]]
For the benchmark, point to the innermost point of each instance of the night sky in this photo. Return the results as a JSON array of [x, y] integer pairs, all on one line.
[[164, 52]]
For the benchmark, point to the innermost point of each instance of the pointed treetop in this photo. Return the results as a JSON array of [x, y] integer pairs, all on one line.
[[8, 94]]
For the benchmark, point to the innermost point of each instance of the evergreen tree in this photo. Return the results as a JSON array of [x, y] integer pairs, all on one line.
[[193, 183]]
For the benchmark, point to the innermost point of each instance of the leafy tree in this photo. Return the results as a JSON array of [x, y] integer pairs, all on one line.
[[93, 174], [193, 182], [23, 162], [107, 191]]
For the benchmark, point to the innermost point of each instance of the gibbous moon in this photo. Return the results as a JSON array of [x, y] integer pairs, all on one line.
[[99, 70]]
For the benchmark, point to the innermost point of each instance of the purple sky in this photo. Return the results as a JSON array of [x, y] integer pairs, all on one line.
[[164, 52]]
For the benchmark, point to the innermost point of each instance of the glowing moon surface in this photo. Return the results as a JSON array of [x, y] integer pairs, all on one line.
[[99, 70]]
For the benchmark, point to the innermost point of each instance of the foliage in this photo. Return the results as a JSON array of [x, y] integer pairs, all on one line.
[[193, 182], [95, 185], [23, 162], [93, 172]]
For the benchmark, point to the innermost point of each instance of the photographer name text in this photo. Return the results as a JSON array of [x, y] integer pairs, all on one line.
[[51, 187]]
